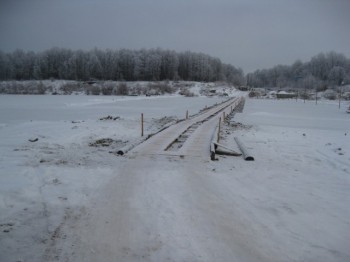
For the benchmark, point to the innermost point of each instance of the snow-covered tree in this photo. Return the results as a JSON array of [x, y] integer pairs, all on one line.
[[336, 75]]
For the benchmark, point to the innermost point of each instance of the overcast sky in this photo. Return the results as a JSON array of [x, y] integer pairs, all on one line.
[[251, 34]]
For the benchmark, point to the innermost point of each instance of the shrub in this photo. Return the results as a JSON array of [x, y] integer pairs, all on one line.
[[24, 88], [122, 90], [107, 88], [254, 94], [93, 90], [330, 94], [69, 88], [303, 95], [186, 92], [41, 89], [160, 88], [136, 90]]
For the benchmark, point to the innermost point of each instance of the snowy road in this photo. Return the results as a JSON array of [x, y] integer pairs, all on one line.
[[162, 208]]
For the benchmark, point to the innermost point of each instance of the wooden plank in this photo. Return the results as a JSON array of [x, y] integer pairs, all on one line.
[[232, 152]]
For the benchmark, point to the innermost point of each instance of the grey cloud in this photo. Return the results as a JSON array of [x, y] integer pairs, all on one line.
[[250, 34]]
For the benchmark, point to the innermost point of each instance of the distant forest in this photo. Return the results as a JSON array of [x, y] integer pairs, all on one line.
[[119, 65], [323, 71]]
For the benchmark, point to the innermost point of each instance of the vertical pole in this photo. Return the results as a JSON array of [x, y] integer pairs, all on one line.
[[219, 130], [316, 96], [223, 114], [141, 124], [187, 114]]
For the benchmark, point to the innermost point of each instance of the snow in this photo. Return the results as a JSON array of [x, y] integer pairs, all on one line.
[[70, 108], [296, 114], [40, 181], [283, 92], [298, 187], [290, 204]]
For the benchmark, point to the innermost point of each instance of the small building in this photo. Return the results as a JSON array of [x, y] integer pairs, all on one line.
[[243, 88], [285, 95], [272, 94], [261, 91]]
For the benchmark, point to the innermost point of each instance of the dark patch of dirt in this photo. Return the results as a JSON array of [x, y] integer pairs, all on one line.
[[105, 142], [110, 118]]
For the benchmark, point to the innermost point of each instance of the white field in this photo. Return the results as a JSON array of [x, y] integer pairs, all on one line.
[[290, 204], [40, 181], [295, 195]]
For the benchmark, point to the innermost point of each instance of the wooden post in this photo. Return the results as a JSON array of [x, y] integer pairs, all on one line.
[[212, 151], [223, 114], [316, 96], [187, 114], [141, 124], [219, 130]]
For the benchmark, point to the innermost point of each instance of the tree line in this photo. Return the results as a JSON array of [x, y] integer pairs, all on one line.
[[117, 65], [323, 71]]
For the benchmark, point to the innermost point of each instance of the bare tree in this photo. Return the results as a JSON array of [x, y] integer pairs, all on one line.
[[122, 89]]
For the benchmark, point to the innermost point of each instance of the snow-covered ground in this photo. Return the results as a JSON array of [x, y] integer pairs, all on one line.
[[41, 181], [295, 196], [290, 204]]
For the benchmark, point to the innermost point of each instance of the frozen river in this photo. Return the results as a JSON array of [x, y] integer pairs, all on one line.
[[290, 204]]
